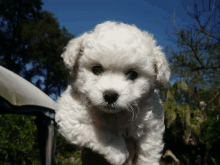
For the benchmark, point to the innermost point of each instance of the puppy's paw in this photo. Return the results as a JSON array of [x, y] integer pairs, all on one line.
[[117, 153], [119, 157]]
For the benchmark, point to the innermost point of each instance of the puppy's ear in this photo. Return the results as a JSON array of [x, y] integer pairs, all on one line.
[[161, 67], [72, 51]]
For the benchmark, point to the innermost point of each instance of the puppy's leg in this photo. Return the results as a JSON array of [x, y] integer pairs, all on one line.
[[149, 148], [112, 147], [116, 150]]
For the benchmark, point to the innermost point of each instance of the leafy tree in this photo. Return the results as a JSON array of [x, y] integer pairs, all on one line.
[[195, 59], [196, 55], [33, 37], [12, 14], [31, 44], [45, 42], [182, 125]]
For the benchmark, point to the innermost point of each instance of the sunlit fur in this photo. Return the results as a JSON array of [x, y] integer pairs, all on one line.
[[84, 117]]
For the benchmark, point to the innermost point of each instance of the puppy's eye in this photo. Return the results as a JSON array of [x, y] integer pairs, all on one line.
[[131, 75], [97, 70]]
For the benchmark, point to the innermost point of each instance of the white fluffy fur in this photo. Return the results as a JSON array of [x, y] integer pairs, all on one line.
[[133, 128]]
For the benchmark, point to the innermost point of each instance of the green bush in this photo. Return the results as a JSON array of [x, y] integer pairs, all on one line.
[[210, 130], [19, 144], [18, 140]]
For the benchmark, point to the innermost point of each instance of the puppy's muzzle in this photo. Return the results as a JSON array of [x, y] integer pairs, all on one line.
[[110, 96]]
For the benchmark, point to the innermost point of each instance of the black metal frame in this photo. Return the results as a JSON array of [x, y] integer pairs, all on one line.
[[46, 126]]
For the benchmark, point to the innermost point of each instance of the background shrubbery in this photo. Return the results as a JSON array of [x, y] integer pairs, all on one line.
[[19, 144]]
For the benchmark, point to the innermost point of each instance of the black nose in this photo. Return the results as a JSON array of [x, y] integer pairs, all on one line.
[[110, 96]]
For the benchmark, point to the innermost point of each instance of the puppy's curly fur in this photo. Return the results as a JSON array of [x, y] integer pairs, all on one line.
[[112, 106]]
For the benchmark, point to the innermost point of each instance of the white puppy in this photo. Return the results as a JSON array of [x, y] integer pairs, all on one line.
[[112, 97]]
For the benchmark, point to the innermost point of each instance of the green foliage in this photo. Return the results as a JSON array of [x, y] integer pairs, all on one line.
[[210, 129], [65, 150], [34, 37], [37, 40], [45, 42], [178, 118], [192, 103], [12, 14], [18, 143], [187, 127]]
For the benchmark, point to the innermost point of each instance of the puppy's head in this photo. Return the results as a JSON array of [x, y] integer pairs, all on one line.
[[115, 65]]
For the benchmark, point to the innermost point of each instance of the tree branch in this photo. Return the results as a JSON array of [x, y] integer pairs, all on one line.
[[205, 68], [170, 153], [213, 98]]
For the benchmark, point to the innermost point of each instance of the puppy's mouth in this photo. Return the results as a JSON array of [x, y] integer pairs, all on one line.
[[109, 108]]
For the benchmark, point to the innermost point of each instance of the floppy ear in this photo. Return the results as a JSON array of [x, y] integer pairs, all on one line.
[[161, 67], [72, 51]]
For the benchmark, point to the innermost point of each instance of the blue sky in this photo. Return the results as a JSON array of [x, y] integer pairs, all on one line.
[[150, 15], [80, 16]]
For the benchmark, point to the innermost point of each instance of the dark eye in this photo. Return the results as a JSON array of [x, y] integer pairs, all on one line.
[[97, 70], [131, 75]]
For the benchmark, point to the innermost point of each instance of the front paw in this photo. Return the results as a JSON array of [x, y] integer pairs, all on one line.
[[117, 156]]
